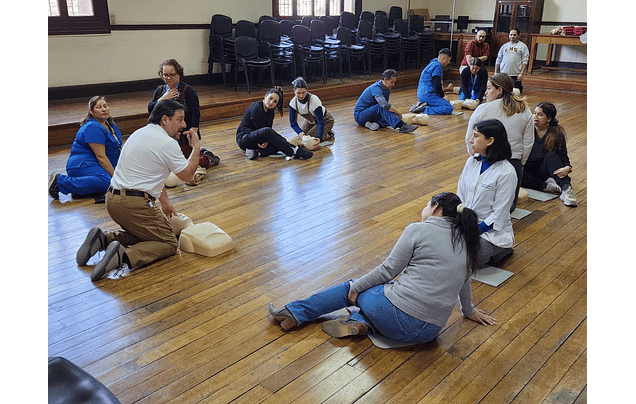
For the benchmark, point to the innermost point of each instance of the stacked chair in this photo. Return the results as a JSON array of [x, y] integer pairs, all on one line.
[[349, 20], [395, 13], [367, 15], [221, 43], [375, 47], [276, 46], [410, 42], [393, 39], [330, 24], [427, 44], [306, 20], [351, 50], [245, 28], [286, 28], [331, 45], [307, 54]]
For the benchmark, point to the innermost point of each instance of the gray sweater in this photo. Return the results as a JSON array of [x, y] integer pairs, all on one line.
[[432, 273]]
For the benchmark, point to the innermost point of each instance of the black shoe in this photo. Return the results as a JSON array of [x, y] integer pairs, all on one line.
[[214, 160], [113, 259], [95, 241], [54, 192], [304, 154]]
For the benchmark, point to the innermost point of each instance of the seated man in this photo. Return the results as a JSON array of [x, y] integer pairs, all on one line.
[[429, 89], [476, 49], [373, 109], [147, 158]]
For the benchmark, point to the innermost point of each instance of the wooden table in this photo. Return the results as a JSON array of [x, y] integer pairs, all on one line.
[[551, 40]]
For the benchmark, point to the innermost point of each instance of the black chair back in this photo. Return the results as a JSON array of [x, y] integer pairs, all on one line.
[[330, 23], [286, 27], [245, 28], [246, 48], [306, 21], [367, 15], [416, 23], [318, 31], [348, 20], [381, 24], [365, 29], [270, 31], [395, 12], [221, 25]]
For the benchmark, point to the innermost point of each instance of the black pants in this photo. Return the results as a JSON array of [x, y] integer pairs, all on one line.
[[536, 172], [517, 83], [275, 142], [516, 163]]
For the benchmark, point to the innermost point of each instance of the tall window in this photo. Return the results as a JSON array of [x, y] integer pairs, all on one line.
[[78, 17], [296, 9]]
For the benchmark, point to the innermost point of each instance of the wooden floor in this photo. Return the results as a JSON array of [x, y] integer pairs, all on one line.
[[192, 329]]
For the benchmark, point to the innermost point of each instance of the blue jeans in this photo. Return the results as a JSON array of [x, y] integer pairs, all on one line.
[[377, 114], [376, 311]]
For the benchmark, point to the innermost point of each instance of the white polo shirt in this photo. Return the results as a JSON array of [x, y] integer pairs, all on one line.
[[146, 160]]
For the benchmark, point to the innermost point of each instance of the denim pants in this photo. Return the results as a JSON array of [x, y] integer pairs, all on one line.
[[376, 311], [379, 115]]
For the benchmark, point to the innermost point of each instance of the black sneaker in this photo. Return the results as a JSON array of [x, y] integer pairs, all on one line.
[[304, 154], [408, 128], [54, 192]]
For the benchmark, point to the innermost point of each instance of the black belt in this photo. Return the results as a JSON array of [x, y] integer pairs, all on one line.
[[131, 192]]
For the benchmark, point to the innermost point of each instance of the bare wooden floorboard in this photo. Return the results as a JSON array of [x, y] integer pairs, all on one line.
[[194, 329]]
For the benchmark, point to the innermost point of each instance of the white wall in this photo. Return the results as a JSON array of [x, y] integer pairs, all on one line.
[[134, 55]]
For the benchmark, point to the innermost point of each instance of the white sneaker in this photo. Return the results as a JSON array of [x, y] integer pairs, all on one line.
[[372, 125], [568, 197], [551, 186]]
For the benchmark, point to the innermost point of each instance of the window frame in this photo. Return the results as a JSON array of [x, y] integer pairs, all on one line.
[[296, 17], [98, 23]]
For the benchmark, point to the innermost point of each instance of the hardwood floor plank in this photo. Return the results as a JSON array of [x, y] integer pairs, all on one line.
[[196, 329]]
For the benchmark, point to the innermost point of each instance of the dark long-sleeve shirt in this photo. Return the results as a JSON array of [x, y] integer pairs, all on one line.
[[187, 97], [255, 118]]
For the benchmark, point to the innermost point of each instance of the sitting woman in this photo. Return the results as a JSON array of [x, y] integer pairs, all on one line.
[[171, 72], [514, 113], [434, 260], [94, 155], [487, 186], [255, 134], [548, 166], [474, 80], [318, 121]]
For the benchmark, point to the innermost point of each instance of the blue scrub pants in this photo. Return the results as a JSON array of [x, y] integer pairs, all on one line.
[[379, 115], [436, 104], [84, 180]]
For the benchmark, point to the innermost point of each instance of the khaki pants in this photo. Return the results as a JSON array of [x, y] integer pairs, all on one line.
[[146, 232], [311, 128]]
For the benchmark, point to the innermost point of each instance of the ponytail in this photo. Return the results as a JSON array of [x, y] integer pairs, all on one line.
[[465, 228]]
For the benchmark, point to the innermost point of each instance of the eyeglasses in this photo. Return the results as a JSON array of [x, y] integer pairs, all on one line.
[[169, 76]]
